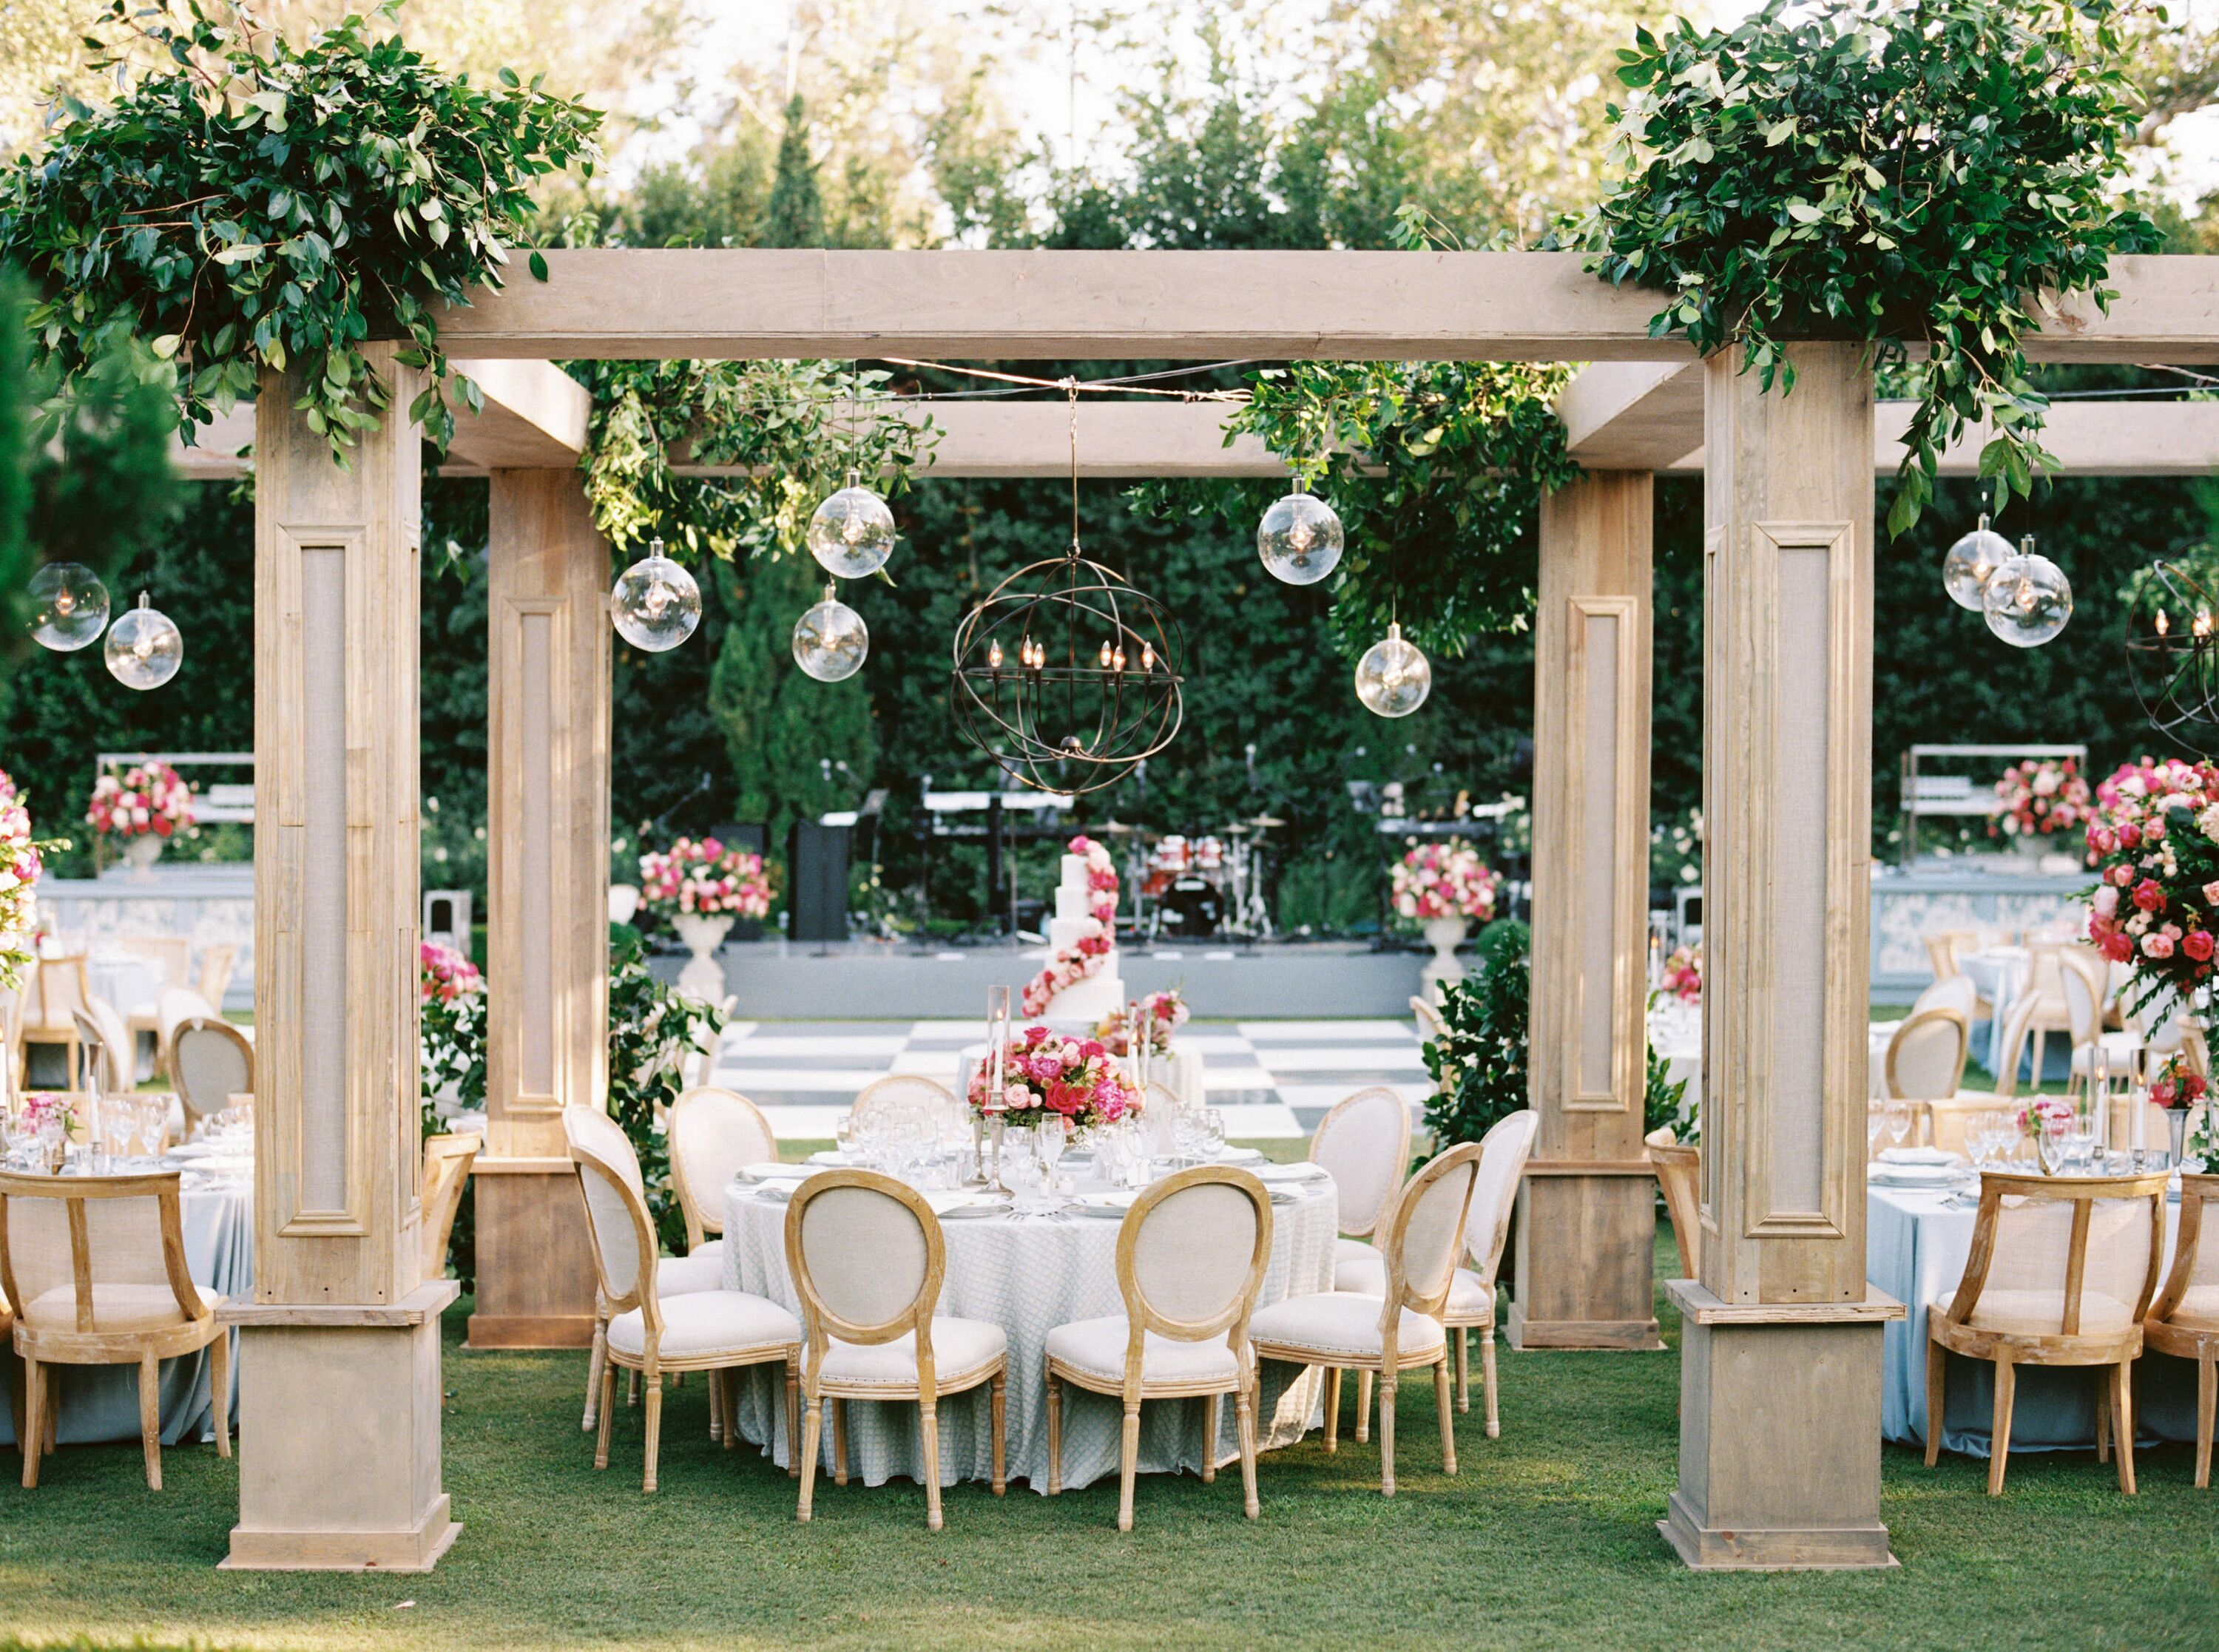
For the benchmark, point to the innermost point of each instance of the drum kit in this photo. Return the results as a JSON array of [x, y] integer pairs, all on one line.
[[1191, 888]]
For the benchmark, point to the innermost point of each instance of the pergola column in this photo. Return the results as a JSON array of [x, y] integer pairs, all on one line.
[[1780, 1400], [547, 943], [1587, 1217], [339, 1349]]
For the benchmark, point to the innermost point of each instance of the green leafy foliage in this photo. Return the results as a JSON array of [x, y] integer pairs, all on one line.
[[652, 1027], [259, 203], [1664, 1099], [1436, 469], [85, 470], [1481, 1053], [1926, 172]]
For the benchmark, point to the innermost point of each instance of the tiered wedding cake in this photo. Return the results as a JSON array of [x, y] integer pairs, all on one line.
[[1077, 901]]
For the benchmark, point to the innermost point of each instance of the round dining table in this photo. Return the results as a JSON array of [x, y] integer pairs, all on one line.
[[1029, 1273]]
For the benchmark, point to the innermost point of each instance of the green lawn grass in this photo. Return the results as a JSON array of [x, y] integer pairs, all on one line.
[[1545, 1539]]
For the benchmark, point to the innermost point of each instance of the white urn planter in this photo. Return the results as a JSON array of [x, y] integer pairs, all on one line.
[[1443, 935], [703, 975], [142, 852]]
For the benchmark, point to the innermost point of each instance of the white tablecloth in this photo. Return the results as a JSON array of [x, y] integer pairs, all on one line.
[[1915, 1251], [101, 1402], [1029, 1276], [131, 981]]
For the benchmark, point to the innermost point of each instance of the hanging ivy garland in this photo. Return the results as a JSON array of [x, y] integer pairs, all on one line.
[[1437, 469], [264, 204], [1900, 172]]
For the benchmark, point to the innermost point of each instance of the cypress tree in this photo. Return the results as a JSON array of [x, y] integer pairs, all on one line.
[[795, 216]]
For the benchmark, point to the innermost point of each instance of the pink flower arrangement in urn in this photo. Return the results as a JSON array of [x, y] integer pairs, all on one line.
[[701, 877], [444, 975], [1046, 1073], [148, 800], [1085, 956], [2041, 798], [1444, 880]]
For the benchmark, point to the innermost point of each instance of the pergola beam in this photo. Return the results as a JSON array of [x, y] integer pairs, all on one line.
[[1066, 304]]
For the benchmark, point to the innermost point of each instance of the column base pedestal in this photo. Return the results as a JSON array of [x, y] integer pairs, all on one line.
[[1779, 1434], [339, 1424], [535, 1260], [1586, 1245]]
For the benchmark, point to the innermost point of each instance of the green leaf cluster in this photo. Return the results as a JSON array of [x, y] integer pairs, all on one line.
[[1479, 1059], [260, 203], [1912, 173], [652, 1028]]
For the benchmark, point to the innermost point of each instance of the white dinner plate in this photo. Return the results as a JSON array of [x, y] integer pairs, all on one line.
[[1931, 1177], [1304, 1172], [770, 1170]]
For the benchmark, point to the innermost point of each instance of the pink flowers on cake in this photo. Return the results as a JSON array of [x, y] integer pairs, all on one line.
[[702, 877], [1086, 955], [1044, 1072]]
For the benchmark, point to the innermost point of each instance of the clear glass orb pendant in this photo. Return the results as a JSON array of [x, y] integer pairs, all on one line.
[[1393, 678], [69, 607], [144, 647], [2027, 599], [1966, 569], [830, 641], [1299, 539], [852, 533], [655, 605]]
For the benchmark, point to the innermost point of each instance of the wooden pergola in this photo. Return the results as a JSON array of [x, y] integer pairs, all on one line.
[[1780, 1458]]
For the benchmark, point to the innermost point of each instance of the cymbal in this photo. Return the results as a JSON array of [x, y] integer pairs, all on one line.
[[1264, 822], [1115, 829]]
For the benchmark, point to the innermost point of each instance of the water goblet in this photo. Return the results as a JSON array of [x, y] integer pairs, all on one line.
[[1213, 1133], [1050, 1137], [1875, 1121], [1900, 1120]]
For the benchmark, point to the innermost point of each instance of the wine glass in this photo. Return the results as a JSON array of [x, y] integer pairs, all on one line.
[[1875, 1121], [153, 1122], [1899, 1120], [1213, 1133], [119, 1119], [1050, 1137]]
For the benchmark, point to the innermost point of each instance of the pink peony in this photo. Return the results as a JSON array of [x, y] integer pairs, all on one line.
[[2158, 945]]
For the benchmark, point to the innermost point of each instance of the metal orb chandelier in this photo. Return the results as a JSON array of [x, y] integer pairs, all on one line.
[[1066, 675], [2173, 657]]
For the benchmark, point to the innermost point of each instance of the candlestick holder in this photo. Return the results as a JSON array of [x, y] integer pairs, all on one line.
[[977, 1178], [995, 1127]]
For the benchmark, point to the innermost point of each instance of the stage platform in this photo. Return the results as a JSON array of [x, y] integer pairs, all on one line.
[[777, 980]]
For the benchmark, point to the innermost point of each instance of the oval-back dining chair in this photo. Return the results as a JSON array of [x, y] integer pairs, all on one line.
[[2183, 1321], [212, 1062], [1363, 1143]]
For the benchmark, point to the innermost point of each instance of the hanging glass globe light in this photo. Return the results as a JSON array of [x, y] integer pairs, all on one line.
[[655, 604], [69, 607], [1299, 539], [1966, 569], [830, 641], [2027, 599], [1393, 678], [144, 647], [852, 533]]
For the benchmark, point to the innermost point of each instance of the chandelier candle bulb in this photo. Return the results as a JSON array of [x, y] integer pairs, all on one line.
[[2029, 599], [145, 648], [655, 604], [69, 607]]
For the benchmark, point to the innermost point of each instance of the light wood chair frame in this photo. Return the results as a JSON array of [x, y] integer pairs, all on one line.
[[92, 1048], [893, 1080], [701, 1219], [820, 1325], [1460, 1326], [86, 1344], [222, 1028], [219, 963], [1392, 1359], [46, 1029], [1904, 1027], [1142, 1317], [650, 1361], [2187, 1342], [1949, 1333], [1402, 1158]]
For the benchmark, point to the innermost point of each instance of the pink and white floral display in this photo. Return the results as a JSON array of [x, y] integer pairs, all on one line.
[[1683, 974], [148, 799], [1444, 880], [2154, 843], [1045, 1072], [1086, 955], [444, 975], [2041, 798], [21, 867], [1162, 1014], [701, 877]]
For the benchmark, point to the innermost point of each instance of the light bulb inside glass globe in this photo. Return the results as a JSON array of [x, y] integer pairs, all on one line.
[[1299, 539], [144, 647], [655, 604], [1393, 678], [852, 533], [69, 607], [830, 641], [2027, 599], [1966, 569]]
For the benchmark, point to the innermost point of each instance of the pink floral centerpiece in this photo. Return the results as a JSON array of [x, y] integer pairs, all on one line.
[[1046, 1073], [1085, 956], [21, 867], [1162, 1014], [1444, 880], [702, 877], [1683, 974], [444, 975], [2155, 843], [145, 799], [2040, 798], [2177, 1085], [48, 1118]]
